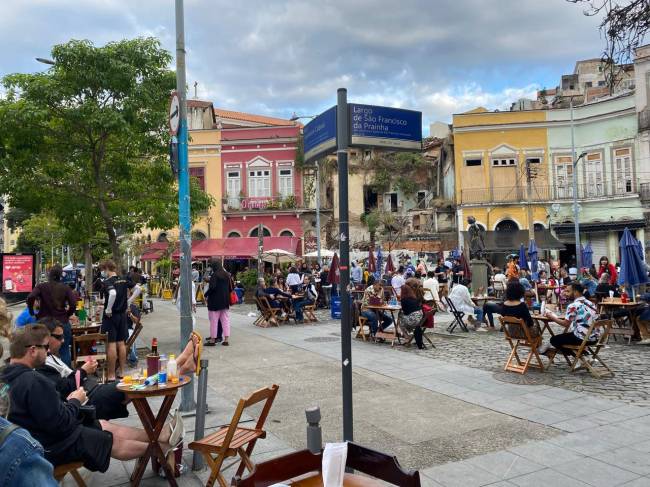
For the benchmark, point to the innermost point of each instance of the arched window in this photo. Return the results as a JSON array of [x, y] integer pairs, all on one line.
[[198, 235], [539, 227], [286, 233], [506, 226], [234, 235], [265, 232], [162, 237]]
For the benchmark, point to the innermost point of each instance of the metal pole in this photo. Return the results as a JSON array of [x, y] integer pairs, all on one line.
[[201, 409], [529, 205], [318, 256], [342, 140], [187, 393], [576, 224], [314, 431]]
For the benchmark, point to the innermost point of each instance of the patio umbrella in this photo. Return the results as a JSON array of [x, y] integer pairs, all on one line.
[[334, 275], [278, 256], [523, 260], [633, 270], [324, 253], [378, 265], [641, 251], [467, 272], [389, 264], [372, 264], [587, 256], [532, 254]]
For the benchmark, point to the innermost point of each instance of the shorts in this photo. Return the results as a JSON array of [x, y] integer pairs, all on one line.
[[115, 327], [93, 448]]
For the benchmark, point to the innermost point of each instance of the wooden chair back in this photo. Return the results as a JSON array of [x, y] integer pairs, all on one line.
[[593, 349], [518, 334], [88, 338]]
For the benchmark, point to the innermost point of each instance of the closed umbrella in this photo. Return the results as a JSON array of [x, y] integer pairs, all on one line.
[[380, 262], [372, 264], [390, 268], [532, 254], [588, 256], [641, 251], [523, 260], [633, 271], [334, 275]]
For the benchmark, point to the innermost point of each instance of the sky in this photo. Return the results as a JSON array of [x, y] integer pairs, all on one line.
[[277, 57]]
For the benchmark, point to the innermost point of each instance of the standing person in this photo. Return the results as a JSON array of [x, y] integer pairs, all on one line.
[[293, 279], [421, 268], [458, 272], [57, 301], [356, 275], [218, 296], [116, 292], [398, 281], [605, 267]]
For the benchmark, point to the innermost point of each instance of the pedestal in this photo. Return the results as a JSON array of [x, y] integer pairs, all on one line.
[[480, 274]]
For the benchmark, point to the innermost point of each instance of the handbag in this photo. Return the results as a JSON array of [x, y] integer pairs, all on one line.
[[233, 297]]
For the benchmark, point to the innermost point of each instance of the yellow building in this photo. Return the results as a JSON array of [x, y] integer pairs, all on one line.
[[492, 153]]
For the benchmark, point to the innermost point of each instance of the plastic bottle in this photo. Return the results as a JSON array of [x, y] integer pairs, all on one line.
[[172, 370], [162, 371]]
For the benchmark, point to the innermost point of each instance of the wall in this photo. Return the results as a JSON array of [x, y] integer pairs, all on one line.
[[205, 151]]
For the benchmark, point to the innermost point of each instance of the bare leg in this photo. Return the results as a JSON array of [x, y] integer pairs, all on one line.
[[128, 449], [185, 360], [121, 352], [111, 357], [135, 434]]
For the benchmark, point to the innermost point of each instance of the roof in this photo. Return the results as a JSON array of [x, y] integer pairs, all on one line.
[[199, 103], [232, 116]]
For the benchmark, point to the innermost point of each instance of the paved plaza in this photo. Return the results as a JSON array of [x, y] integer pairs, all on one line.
[[447, 411]]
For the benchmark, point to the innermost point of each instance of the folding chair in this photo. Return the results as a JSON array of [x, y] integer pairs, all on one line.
[[70, 468], [79, 342], [519, 335], [269, 313], [230, 441], [137, 328], [309, 312], [362, 323], [458, 317], [591, 350]]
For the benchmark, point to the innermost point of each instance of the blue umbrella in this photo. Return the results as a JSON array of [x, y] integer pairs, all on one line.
[[380, 264], [633, 270], [532, 254], [455, 254], [587, 256], [641, 251], [523, 261]]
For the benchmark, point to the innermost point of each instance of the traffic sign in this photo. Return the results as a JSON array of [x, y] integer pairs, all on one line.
[[319, 135], [174, 114], [393, 128]]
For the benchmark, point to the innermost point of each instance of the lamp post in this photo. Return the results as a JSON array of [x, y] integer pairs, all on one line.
[[294, 118], [576, 223]]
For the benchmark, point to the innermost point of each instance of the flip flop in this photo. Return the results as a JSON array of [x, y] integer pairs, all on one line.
[[196, 354]]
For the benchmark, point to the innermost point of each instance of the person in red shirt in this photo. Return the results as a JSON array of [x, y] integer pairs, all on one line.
[[610, 269]]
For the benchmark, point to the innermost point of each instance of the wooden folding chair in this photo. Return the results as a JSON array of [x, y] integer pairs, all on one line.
[[309, 312], [70, 468], [137, 328], [230, 441], [458, 316], [586, 354], [269, 314], [519, 335], [81, 342]]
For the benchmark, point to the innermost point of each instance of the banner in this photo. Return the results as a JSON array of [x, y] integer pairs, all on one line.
[[17, 273]]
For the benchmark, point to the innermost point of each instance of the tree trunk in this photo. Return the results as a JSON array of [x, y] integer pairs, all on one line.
[[88, 262]]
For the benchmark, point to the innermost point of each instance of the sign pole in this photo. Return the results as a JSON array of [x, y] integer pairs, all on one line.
[[342, 141], [187, 393]]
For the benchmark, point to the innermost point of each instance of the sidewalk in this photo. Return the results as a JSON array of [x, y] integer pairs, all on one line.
[[460, 426]]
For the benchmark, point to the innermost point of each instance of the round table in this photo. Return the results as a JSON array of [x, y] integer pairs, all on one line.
[[153, 425], [350, 480]]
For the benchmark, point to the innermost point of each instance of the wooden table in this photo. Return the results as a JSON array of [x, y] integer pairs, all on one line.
[[153, 425], [544, 323], [608, 305], [83, 329], [394, 335], [350, 480]]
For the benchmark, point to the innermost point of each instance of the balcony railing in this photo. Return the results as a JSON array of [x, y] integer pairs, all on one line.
[[547, 193], [275, 203]]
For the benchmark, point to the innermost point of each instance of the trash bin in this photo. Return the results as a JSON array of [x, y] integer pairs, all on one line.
[[335, 307]]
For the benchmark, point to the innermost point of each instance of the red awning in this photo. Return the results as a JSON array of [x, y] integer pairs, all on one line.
[[239, 248], [154, 251]]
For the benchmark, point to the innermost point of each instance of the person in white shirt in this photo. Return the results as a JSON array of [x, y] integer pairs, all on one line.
[[293, 279], [398, 281], [462, 301], [431, 289]]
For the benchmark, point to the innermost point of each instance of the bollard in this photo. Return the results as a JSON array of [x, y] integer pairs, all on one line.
[[201, 408], [314, 432]]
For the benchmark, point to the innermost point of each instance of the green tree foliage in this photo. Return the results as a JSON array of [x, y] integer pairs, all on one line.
[[87, 140]]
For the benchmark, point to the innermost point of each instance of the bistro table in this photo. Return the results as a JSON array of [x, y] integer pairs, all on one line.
[[153, 425], [350, 480], [609, 305], [544, 323], [387, 335]]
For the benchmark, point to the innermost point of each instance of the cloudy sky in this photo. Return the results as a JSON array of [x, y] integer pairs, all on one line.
[[279, 56]]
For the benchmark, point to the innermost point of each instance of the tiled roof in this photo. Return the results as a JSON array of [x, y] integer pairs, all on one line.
[[249, 117]]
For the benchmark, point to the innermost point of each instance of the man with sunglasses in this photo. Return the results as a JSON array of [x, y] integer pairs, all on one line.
[[109, 402]]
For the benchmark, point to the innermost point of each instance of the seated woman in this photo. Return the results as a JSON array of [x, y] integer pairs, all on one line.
[[279, 298], [604, 287], [514, 306], [411, 314], [374, 296]]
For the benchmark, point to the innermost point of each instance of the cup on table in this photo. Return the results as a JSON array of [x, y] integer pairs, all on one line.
[[611, 295]]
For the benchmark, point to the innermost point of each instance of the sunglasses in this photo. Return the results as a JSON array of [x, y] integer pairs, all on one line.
[[46, 346], [58, 337]]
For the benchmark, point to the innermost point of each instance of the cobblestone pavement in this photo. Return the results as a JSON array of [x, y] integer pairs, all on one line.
[[489, 351]]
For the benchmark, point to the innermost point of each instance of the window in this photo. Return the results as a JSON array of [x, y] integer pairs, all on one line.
[[285, 183], [286, 233], [564, 176], [588, 84], [503, 162], [233, 188], [473, 162], [265, 232], [623, 168], [259, 183], [594, 175], [390, 202], [422, 198], [234, 235], [533, 160], [198, 173], [601, 83]]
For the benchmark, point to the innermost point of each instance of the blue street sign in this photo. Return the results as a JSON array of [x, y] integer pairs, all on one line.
[[319, 135], [377, 126]]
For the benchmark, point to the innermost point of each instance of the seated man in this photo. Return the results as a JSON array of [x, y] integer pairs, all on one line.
[[431, 289], [374, 295], [306, 296], [462, 301], [108, 401], [279, 298], [65, 432]]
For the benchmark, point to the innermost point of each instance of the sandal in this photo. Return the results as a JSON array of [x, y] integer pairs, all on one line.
[[209, 342], [196, 351]]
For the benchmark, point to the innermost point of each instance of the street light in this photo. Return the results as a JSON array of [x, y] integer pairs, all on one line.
[[295, 118]]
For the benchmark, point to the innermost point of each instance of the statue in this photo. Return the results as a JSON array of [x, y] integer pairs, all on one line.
[[476, 239]]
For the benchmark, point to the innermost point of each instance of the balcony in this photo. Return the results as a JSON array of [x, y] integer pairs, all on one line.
[[275, 204], [518, 194]]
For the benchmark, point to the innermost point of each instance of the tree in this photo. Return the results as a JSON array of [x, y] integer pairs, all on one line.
[[624, 25], [88, 140]]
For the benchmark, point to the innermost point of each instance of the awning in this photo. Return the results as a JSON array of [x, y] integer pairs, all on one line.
[[510, 241], [598, 227], [154, 251], [240, 247]]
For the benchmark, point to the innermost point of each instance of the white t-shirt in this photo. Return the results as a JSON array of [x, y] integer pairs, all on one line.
[[58, 364], [431, 289], [293, 279], [397, 282]]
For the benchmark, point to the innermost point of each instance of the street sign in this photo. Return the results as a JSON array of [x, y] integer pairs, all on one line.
[[319, 135], [394, 128], [174, 114]]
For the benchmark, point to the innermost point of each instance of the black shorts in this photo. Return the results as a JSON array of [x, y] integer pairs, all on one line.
[[115, 327], [93, 448]]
